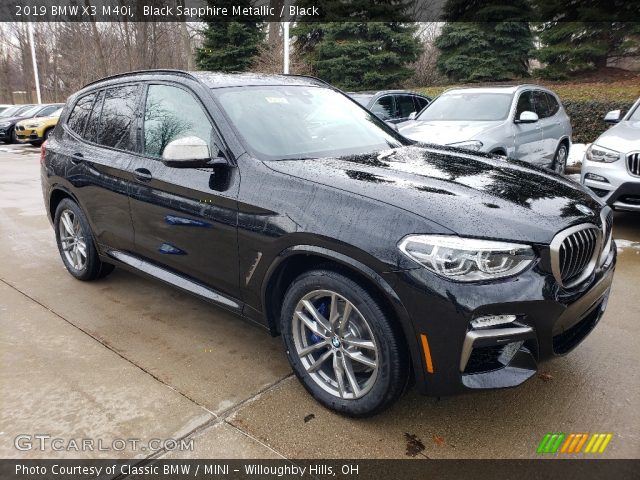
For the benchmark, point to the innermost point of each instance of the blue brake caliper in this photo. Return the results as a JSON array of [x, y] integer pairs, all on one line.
[[323, 308]]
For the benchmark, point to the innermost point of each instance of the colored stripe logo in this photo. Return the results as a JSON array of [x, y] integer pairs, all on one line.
[[574, 443]]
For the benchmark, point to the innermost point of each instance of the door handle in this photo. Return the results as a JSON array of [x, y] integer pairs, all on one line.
[[77, 158], [142, 174]]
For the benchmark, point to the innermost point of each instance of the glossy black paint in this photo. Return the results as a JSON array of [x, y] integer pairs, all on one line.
[[232, 233]]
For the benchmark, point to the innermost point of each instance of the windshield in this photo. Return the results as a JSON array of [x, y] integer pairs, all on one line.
[[289, 122], [31, 112], [468, 106], [635, 115], [11, 111]]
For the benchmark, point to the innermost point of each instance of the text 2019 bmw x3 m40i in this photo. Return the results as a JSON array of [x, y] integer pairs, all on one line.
[[381, 262]]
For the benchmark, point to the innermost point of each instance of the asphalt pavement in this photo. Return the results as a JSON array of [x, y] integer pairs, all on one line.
[[130, 358]]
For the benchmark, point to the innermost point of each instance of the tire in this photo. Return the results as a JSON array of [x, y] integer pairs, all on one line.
[[379, 370], [560, 159], [48, 132], [14, 137], [70, 218]]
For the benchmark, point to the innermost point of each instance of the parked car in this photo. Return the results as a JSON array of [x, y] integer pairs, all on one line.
[[8, 132], [36, 130], [14, 110], [392, 106], [3, 107], [526, 122], [611, 164], [380, 262]]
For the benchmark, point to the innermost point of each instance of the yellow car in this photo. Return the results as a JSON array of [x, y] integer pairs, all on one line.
[[37, 130]]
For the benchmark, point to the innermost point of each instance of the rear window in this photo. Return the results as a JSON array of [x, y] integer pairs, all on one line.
[[118, 114], [80, 113]]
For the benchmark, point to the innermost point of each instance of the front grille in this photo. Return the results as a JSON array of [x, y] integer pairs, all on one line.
[[574, 253], [571, 337], [633, 163]]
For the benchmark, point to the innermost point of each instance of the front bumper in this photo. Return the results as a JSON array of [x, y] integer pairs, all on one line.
[[5, 134], [621, 190], [25, 135], [550, 322]]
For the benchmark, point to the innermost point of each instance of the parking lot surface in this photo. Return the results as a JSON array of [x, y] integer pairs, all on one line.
[[127, 357]]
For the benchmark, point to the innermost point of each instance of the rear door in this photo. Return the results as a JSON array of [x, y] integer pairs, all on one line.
[[550, 129], [184, 218], [528, 136], [97, 145]]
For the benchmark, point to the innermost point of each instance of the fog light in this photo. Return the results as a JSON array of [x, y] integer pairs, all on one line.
[[492, 320], [597, 178]]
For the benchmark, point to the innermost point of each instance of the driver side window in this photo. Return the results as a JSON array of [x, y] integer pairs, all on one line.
[[172, 113], [525, 104], [384, 107]]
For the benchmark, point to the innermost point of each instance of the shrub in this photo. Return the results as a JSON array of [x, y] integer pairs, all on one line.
[[587, 117]]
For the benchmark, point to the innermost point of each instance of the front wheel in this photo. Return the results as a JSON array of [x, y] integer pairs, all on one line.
[[341, 344], [560, 159]]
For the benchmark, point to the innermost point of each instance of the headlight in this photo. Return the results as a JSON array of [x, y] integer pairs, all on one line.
[[467, 259], [469, 145], [596, 153]]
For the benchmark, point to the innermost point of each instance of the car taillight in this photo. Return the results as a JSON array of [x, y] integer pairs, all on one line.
[[43, 151]]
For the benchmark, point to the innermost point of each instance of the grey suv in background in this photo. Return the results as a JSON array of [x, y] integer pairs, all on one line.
[[611, 164], [526, 122]]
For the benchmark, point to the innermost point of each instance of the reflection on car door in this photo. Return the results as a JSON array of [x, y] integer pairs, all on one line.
[[97, 144], [528, 137], [184, 218]]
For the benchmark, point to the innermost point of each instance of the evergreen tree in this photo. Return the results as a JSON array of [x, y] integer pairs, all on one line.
[[366, 53], [584, 35], [229, 46], [485, 40]]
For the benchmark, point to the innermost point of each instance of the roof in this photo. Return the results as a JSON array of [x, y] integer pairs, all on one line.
[[384, 92], [219, 79], [497, 88]]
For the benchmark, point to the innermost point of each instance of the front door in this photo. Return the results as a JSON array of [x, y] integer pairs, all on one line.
[[528, 137], [185, 219]]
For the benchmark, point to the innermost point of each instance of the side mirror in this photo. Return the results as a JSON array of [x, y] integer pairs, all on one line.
[[412, 115], [527, 117], [612, 117], [186, 152]]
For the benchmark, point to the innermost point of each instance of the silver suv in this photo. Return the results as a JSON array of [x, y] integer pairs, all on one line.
[[611, 164], [526, 122]]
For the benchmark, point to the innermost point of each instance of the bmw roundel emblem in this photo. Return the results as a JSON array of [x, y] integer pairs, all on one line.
[[584, 209]]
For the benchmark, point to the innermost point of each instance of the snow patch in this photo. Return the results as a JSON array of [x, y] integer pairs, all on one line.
[[576, 152]]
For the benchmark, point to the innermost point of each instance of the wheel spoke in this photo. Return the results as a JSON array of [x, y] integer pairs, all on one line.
[[348, 369], [360, 358], [344, 319], [66, 221], [82, 248], [311, 325], [312, 348], [359, 343], [316, 315], [333, 314], [338, 369], [318, 363]]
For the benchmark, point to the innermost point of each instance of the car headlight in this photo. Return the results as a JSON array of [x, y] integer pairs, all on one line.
[[596, 153], [469, 145], [467, 259]]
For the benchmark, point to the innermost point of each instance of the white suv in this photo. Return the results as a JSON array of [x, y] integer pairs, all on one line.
[[611, 164]]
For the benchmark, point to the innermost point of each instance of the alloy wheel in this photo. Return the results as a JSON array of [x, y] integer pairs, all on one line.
[[72, 240], [335, 344]]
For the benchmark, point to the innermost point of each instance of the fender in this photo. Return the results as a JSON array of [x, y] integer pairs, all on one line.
[[399, 309]]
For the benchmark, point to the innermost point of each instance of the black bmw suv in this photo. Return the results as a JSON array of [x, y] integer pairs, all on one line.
[[382, 263]]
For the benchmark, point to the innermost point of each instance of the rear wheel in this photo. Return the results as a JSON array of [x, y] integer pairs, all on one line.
[[560, 158], [75, 243], [341, 344]]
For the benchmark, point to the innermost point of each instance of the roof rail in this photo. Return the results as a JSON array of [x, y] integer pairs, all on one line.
[[160, 71]]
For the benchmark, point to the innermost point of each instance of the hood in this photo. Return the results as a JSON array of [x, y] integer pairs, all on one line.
[[623, 137], [477, 195], [39, 120], [444, 132]]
